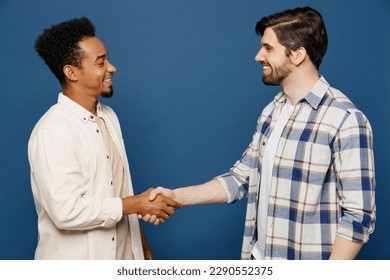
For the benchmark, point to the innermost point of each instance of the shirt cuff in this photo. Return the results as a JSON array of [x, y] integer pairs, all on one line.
[[226, 188], [112, 211]]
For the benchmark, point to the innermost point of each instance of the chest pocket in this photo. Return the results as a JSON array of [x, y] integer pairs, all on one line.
[[314, 161]]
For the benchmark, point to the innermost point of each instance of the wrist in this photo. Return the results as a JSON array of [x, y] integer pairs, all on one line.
[[129, 205], [179, 196]]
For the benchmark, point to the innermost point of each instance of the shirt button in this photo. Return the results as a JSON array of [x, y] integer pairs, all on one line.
[[92, 117], [113, 239], [111, 183], [108, 157], [97, 130], [263, 143]]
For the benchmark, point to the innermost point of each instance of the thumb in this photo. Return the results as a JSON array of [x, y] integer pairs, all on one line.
[[153, 194]]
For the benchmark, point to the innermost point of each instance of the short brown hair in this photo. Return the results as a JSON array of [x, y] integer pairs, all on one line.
[[300, 27]]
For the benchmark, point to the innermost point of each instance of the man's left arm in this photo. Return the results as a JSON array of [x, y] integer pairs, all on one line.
[[344, 249], [148, 253], [354, 168]]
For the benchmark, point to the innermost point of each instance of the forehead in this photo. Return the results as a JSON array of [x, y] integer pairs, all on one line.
[[92, 47], [270, 38]]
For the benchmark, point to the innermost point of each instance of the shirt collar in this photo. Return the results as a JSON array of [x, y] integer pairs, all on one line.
[[78, 110], [317, 93], [314, 97]]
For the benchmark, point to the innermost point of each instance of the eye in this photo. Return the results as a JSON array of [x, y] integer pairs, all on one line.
[[267, 47]]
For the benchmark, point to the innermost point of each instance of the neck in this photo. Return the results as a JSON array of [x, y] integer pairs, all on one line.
[[85, 101], [298, 84]]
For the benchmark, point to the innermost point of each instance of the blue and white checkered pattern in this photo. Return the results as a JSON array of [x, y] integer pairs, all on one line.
[[323, 181]]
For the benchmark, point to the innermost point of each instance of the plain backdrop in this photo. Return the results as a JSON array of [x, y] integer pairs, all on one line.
[[188, 93]]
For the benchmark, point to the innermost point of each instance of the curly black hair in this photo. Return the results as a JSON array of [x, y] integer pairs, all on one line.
[[58, 45]]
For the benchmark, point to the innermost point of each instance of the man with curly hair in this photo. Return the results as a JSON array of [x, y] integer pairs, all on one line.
[[80, 175], [308, 173]]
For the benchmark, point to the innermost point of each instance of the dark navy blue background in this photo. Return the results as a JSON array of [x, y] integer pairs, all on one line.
[[188, 93]]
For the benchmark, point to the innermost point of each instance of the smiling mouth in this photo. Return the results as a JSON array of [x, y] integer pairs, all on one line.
[[266, 67], [108, 80]]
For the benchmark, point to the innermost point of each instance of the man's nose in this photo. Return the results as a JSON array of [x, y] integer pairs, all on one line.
[[111, 68], [259, 56]]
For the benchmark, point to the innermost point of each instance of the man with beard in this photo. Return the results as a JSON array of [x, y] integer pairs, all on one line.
[[308, 173], [80, 175]]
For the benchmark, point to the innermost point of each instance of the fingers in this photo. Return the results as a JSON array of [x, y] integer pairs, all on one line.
[[151, 219], [167, 201], [163, 216], [156, 221], [170, 211], [172, 203], [146, 218]]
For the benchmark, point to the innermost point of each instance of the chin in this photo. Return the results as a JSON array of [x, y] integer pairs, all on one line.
[[273, 81], [107, 94], [270, 83]]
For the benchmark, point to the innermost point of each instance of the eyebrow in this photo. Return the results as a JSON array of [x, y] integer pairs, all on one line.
[[103, 56], [268, 46]]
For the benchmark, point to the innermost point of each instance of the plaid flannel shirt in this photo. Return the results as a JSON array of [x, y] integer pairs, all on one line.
[[323, 181]]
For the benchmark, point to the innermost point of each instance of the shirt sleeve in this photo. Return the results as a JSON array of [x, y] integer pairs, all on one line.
[[60, 185], [354, 168], [236, 181]]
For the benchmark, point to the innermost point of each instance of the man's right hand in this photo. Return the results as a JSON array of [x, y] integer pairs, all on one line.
[[153, 195], [161, 207], [206, 193]]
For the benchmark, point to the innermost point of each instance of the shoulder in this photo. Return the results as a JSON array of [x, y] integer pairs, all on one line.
[[340, 100], [55, 126], [342, 103], [56, 118], [347, 119]]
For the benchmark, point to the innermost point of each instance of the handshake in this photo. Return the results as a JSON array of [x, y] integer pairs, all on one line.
[[153, 205], [156, 205]]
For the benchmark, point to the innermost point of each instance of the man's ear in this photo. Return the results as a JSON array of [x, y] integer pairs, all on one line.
[[298, 56], [70, 72]]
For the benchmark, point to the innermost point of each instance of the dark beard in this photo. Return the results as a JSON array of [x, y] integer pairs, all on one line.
[[108, 94], [277, 76]]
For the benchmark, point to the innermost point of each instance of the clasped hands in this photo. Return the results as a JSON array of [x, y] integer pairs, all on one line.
[[156, 196], [153, 205]]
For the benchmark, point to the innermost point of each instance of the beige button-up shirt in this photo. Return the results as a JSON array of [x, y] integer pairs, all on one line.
[[72, 184]]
